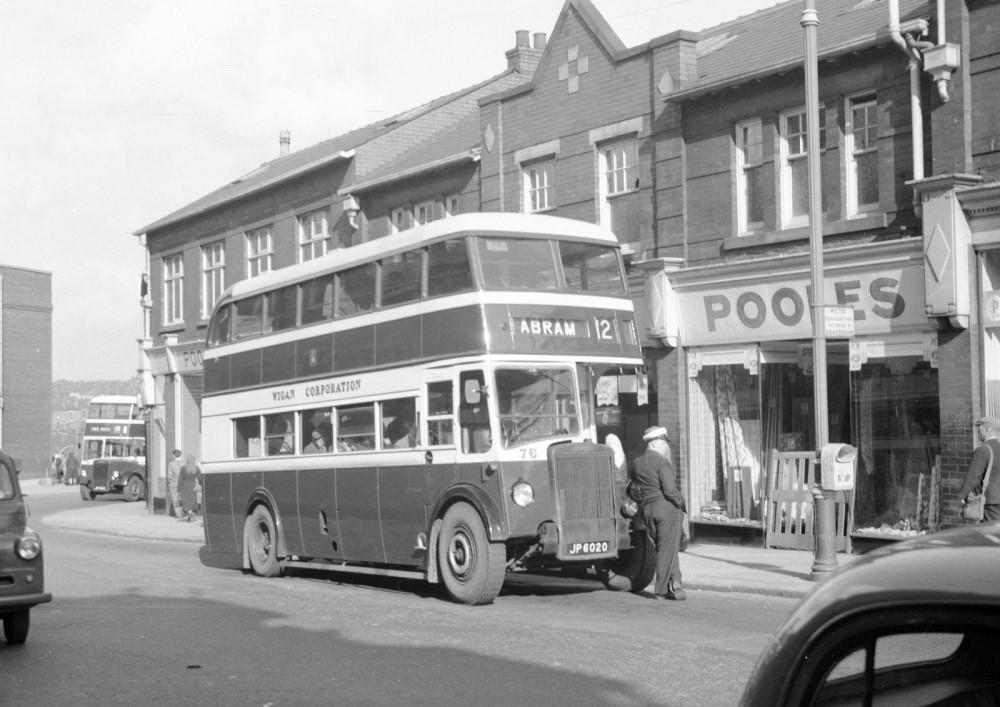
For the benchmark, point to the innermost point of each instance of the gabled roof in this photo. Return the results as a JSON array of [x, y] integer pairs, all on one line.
[[427, 133], [604, 35], [772, 41]]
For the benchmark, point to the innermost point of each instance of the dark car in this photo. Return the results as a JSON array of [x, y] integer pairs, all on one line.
[[917, 623], [21, 576]]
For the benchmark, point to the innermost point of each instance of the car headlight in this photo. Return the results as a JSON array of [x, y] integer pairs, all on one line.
[[522, 493], [28, 546]]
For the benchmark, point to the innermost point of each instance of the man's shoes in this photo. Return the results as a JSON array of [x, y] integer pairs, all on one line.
[[676, 592]]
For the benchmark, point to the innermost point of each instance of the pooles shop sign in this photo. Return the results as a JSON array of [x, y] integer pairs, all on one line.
[[778, 306]]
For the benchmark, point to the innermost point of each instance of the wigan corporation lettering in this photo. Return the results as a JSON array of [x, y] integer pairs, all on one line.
[[333, 388]]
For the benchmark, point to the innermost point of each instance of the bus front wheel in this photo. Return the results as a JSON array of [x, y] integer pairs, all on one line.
[[471, 567], [261, 541], [633, 569], [135, 489]]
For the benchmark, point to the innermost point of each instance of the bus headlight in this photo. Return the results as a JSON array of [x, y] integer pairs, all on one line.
[[28, 546], [522, 493]]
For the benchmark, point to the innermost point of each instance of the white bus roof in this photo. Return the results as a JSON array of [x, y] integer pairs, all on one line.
[[478, 222], [114, 399]]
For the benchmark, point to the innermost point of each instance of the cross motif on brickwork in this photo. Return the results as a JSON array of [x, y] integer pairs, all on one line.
[[576, 64]]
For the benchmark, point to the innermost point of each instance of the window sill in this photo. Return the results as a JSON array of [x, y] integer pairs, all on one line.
[[867, 222]]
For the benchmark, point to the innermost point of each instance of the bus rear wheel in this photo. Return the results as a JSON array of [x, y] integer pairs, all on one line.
[[633, 569], [135, 489], [471, 567], [261, 541], [15, 626]]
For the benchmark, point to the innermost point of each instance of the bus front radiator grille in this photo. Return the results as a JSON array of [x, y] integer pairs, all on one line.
[[584, 482], [101, 474]]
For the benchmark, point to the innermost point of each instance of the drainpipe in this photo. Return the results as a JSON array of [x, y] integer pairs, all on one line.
[[912, 50]]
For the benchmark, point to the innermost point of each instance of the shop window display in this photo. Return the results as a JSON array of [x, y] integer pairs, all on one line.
[[991, 331], [897, 433], [726, 445], [738, 418]]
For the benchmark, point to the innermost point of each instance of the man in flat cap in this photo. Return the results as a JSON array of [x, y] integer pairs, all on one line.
[[662, 509], [987, 429]]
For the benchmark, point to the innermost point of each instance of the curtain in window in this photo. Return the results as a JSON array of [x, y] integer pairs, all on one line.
[[732, 446], [701, 414]]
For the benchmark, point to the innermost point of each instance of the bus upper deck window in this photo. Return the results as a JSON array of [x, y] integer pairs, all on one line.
[[401, 278], [317, 300], [281, 306], [218, 329], [591, 267], [249, 317], [448, 268], [356, 290], [517, 264]]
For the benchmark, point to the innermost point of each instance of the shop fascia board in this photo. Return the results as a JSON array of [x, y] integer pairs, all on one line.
[[776, 267]]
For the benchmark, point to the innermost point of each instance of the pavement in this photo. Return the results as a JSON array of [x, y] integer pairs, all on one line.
[[706, 566]]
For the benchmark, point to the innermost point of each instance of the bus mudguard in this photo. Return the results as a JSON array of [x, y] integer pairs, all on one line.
[[496, 528]]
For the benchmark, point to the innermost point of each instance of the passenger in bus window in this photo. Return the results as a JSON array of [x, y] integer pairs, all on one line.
[[402, 431], [320, 441], [280, 438]]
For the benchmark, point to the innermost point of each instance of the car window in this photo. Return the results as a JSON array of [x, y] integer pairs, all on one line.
[[914, 655], [899, 649], [6, 484]]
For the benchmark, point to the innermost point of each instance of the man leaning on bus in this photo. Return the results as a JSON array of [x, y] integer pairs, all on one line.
[[662, 510]]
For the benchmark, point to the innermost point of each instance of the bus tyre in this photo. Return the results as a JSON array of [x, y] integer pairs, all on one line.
[[262, 541], [15, 627], [634, 568], [471, 567], [135, 489], [85, 493]]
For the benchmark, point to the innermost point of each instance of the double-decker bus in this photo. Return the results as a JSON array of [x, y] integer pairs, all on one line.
[[113, 455], [423, 406]]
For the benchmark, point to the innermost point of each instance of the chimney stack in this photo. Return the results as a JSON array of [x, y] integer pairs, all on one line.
[[524, 58], [284, 143]]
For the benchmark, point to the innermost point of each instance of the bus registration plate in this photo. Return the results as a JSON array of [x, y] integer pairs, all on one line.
[[588, 548]]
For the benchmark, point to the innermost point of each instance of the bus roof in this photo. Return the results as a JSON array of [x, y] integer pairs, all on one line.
[[114, 399], [474, 223]]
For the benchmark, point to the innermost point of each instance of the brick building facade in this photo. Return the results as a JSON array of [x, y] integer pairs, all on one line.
[[691, 147], [26, 367]]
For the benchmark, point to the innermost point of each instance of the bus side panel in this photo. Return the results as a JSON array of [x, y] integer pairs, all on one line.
[[283, 486], [223, 527], [318, 514], [402, 499], [357, 514]]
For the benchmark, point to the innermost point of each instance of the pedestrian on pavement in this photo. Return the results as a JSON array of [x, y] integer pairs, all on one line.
[[661, 508], [987, 429], [57, 467], [188, 481], [173, 490], [72, 468]]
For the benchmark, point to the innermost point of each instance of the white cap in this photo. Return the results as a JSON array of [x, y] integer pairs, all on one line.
[[651, 433]]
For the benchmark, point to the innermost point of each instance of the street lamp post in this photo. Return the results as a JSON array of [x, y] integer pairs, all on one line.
[[825, 560]]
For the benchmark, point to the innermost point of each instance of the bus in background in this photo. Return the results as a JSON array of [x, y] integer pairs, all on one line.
[[423, 406], [113, 453]]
